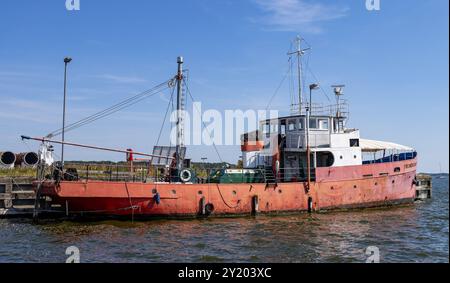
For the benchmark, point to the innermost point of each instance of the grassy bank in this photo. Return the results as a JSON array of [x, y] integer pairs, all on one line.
[[18, 172], [97, 169]]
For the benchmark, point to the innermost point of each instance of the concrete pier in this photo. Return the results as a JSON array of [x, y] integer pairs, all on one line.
[[16, 197], [424, 187]]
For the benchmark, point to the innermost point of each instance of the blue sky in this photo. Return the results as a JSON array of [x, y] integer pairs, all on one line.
[[393, 61]]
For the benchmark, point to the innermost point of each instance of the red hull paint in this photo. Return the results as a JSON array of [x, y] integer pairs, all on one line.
[[338, 187]]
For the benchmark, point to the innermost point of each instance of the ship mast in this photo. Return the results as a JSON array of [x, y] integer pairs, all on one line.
[[299, 52], [338, 92], [179, 125]]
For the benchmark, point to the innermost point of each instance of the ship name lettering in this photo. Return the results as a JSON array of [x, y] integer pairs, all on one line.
[[410, 165]]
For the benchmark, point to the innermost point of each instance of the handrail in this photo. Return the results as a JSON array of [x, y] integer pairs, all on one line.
[[143, 172], [320, 109]]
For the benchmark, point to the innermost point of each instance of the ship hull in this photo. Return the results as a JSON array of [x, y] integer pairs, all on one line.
[[361, 186]]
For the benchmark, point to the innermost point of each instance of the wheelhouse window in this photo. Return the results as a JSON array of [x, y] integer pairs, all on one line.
[[283, 129], [274, 128], [266, 129], [301, 123], [292, 125], [354, 142], [323, 124], [313, 123]]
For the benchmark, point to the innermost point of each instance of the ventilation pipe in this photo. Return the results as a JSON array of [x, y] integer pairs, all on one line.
[[7, 159], [27, 159]]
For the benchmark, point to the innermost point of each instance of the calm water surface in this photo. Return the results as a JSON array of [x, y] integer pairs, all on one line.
[[416, 233]]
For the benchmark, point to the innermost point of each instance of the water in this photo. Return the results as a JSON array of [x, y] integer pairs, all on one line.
[[416, 233]]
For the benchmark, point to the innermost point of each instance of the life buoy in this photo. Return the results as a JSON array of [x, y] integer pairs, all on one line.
[[185, 176]]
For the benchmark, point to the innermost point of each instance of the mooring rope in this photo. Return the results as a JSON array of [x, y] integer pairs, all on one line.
[[223, 199], [131, 203]]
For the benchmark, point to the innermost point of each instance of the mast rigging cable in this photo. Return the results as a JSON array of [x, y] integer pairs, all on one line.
[[204, 125], [115, 108]]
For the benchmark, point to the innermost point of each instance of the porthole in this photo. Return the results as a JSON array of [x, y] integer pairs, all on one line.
[[200, 192], [234, 193], [174, 192], [341, 157]]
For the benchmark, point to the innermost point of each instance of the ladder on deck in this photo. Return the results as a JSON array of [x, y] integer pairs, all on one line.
[[269, 177]]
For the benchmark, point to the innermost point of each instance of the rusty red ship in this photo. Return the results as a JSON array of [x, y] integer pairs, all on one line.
[[306, 161]]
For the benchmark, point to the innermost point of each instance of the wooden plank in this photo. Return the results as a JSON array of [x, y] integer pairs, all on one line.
[[22, 187], [20, 202], [5, 196], [12, 212], [2, 188]]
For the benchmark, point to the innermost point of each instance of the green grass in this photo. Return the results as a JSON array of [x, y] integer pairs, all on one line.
[[18, 172], [104, 167]]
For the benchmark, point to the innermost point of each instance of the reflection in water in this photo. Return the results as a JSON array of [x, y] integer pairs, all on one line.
[[416, 233]]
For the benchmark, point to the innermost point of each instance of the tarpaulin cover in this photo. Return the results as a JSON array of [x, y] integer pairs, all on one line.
[[373, 145]]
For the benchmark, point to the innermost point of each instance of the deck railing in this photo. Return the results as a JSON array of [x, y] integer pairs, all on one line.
[[392, 158], [321, 109], [143, 173]]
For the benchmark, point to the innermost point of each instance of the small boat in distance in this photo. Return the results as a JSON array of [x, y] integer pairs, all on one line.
[[441, 174], [307, 161]]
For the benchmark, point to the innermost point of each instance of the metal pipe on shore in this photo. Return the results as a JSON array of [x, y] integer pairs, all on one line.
[[7, 159], [27, 159]]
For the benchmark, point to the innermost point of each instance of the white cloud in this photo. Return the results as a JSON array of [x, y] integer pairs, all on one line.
[[11, 115], [24, 104], [122, 79], [297, 15], [26, 110]]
